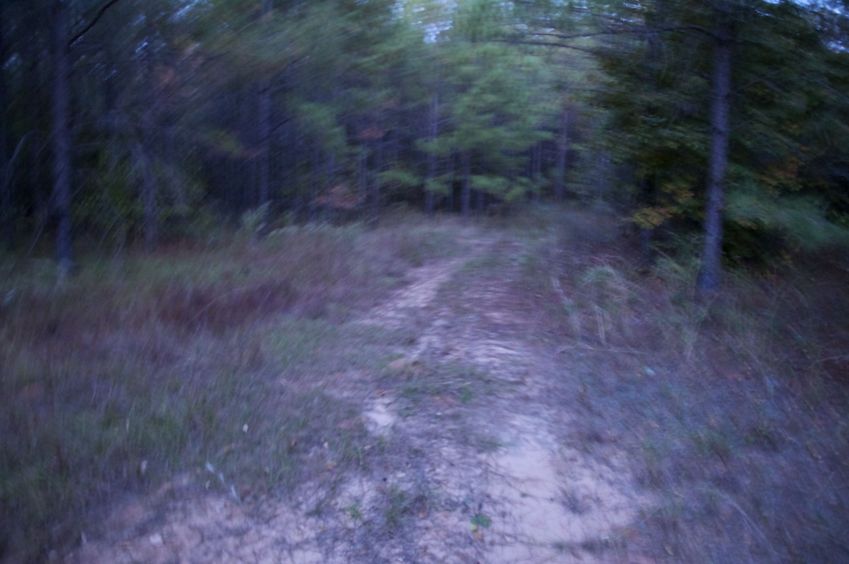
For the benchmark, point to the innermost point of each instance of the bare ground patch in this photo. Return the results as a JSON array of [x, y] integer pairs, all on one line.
[[536, 400], [464, 459]]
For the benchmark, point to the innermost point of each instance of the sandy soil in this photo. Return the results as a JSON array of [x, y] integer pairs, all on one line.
[[489, 480]]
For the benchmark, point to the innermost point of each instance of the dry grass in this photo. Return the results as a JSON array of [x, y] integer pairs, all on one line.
[[226, 356], [146, 366], [735, 411]]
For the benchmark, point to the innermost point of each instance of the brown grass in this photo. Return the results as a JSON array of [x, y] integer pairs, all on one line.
[[148, 365], [734, 410]]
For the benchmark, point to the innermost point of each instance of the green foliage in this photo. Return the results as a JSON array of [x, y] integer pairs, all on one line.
[[480, 521], [801, 220], [223, 106], [113, 207], [400, 179], [439, 185], [320, 122], [784, 111]]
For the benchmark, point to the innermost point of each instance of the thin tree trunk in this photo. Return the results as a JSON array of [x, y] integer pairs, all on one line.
[[538, 166], [466, 195], [149, 182], [62, 148], [562, 152], [246, 190], [147, 161], [148, 194], [375, 181], [430, 198], [264, 136], [5, 170], [329, 182], [647, 199], [711, 267], [532, 167], [285, 159], [452, 168], [362, 173], [315, 189], [534, 171], [264, 129], [430, 201], [601, 173]]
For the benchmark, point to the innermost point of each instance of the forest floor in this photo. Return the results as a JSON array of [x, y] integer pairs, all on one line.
[[516, 398], [476, 460], [474, 463]]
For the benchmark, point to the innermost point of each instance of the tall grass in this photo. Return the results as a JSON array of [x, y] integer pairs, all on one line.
[[734, 411], [150, 365]]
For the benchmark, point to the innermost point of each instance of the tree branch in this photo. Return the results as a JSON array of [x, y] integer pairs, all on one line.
[[624, 30], [561, 37], [103, 9], [546, 44]]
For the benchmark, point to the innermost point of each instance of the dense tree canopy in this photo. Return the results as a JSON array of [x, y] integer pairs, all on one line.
[[127, 120]]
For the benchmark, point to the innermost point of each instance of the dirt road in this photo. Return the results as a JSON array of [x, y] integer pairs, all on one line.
[[474, 460]]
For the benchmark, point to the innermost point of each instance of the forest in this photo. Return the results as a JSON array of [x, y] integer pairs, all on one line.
[[424, 280]]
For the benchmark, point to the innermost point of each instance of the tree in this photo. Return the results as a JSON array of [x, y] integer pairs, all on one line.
[[723, 38], [443, 104], [264, 126], [6, 226], [61, 134], [728, 42]]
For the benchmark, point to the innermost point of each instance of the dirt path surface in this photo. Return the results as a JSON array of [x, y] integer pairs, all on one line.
[[476, 461]]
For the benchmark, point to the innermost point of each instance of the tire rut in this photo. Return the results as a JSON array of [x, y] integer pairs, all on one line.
[[491, 481]]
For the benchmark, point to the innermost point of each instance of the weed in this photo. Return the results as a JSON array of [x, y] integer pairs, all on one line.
[[150, 365], [738, 420], [354, 512], [396, 507], [480, 521], [399, 504]]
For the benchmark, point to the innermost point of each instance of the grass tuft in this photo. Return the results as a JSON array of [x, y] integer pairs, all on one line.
[[204, 356]]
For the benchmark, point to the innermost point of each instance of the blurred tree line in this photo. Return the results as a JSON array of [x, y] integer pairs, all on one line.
[[139, 120]]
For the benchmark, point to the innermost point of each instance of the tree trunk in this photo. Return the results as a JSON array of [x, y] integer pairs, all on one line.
[[711, 267], [62, 143], [146, 156], [430, 199], [375, 180], [537, 168], [264, 129], [149, 183], [466, 195], [264, 138], [430, 202], [329, 182], [534, 171], [362, 172], [562, 152], [316, 188], [452, 168], [6, 218], [647, 198], [150, 210]]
